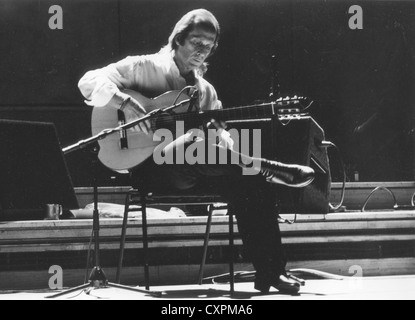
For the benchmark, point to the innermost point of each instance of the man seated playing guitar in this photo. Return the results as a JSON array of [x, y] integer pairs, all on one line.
[[179, 64]]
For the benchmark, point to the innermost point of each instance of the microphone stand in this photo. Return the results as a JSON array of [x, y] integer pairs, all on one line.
[[97, 278], [104, 133]]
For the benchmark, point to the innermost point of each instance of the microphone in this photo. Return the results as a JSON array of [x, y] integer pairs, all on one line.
[[193, 99]]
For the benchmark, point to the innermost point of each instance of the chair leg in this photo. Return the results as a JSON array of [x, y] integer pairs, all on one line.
[[145, 239], [205, 244], [123, 236], [231, 251]]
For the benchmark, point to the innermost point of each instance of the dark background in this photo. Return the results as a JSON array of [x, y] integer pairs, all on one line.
[[362, 81]]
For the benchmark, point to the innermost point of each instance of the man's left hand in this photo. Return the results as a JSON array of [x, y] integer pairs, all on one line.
[[224, 140]]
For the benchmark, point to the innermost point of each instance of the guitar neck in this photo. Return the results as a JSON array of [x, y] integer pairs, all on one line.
[[240, 113], [195, 119]]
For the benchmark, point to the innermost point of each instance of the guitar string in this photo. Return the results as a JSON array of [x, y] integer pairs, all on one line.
[[196, 117], [261, 110]]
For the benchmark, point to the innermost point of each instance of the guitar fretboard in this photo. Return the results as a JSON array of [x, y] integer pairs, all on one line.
[[247, 112]]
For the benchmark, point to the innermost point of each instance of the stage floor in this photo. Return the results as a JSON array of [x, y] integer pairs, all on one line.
[[371, 288]]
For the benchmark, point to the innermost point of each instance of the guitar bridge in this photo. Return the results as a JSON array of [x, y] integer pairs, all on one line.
[[122, 133]]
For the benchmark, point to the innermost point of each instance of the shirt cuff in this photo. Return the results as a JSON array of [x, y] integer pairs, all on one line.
[[118, 98]]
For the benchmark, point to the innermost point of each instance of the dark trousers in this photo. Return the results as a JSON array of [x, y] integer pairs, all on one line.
[[251, 198]]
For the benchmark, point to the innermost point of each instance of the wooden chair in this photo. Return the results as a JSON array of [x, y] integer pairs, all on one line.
[[136, 197]]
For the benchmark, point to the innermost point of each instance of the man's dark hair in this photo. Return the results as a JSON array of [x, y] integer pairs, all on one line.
[[197, 18]]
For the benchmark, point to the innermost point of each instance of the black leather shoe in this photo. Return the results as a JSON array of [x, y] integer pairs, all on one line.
[[291, 175], [282, 284]]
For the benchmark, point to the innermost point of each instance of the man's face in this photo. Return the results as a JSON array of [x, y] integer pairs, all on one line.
[[195, 49]]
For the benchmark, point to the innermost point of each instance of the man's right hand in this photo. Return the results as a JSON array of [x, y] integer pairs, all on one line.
[[133, 111]]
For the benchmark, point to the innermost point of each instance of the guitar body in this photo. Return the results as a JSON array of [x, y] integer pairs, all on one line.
[[140, 146]]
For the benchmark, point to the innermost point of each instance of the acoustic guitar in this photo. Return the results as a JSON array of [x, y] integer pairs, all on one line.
[[130, 148]]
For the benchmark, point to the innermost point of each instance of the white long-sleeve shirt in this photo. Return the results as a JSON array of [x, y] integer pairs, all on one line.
[[151, 75]]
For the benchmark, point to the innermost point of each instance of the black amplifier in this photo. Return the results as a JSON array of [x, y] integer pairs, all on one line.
[[295, 138]]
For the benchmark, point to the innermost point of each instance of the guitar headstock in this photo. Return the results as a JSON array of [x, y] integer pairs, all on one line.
[[295, 102]]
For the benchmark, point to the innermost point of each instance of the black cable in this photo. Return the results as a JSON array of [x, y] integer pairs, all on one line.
[[395, 206], [306, 108], [316, 274], [239, 276], [77, 295], [180, 93], [327, 144], [88, 258], [249, 276]]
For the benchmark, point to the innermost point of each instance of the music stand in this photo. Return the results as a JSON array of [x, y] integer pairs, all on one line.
[[33, 171]]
